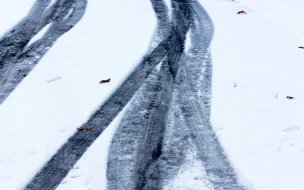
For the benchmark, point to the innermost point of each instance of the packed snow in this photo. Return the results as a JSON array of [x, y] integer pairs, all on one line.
[[256, 64]]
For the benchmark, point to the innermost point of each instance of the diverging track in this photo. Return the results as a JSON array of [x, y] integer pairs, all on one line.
[[17, 59], [163, 124], [168, 116]]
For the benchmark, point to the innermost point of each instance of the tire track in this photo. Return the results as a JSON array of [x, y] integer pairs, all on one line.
[[128, 157], [59, 165], [154, 153], [137, 170], [147, 155], [195, 92], [163, 22], [16, 59]]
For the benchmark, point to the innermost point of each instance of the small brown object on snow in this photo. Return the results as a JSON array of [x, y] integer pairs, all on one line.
[[301, 47], [84, 129], [104, 81], [290, 97], [241, 12]]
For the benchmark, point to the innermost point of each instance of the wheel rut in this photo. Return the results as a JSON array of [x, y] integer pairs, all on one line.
[[17, 58], [169, 113]]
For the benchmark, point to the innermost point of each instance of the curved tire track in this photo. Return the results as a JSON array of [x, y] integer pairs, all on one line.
[[154, 153], [194, 100], [150, 157], [59, 165], [16, 59], [153, 108]]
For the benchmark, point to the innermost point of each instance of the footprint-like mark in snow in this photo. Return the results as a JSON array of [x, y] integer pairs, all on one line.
[[291, 129]]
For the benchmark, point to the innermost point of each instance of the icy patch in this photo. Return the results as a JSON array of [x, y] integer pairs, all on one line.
[[191, 176]]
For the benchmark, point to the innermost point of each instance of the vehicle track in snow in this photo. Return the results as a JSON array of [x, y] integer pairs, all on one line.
[[65, 158], [169, 113], [194, 94], [17, 58], [150, 107], [149, 147]]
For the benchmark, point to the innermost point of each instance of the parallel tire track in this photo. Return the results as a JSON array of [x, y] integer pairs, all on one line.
[[195, 94], [142, 156], [16, 59], [140, 172], [59, 165], [144, 160], [144, 122]]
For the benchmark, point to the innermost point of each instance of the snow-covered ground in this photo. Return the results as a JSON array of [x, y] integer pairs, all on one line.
[[63, 90], [13, 11], [289, 15], [256, 64], [261, 131]]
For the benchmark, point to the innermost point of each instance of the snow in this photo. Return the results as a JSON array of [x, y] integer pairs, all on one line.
[[289, 15], [63, 90], [168, 3], [191, 176], [256, 64], [12, 11], [188, 42], [90, 171], [39, 35], [261, 131], [51, 3]]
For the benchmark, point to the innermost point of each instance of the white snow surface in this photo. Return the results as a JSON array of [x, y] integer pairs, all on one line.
[[191, 175], [289, 15], [13, 11], [261, 131], [90, 171], [256, 64], [39, 35]]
